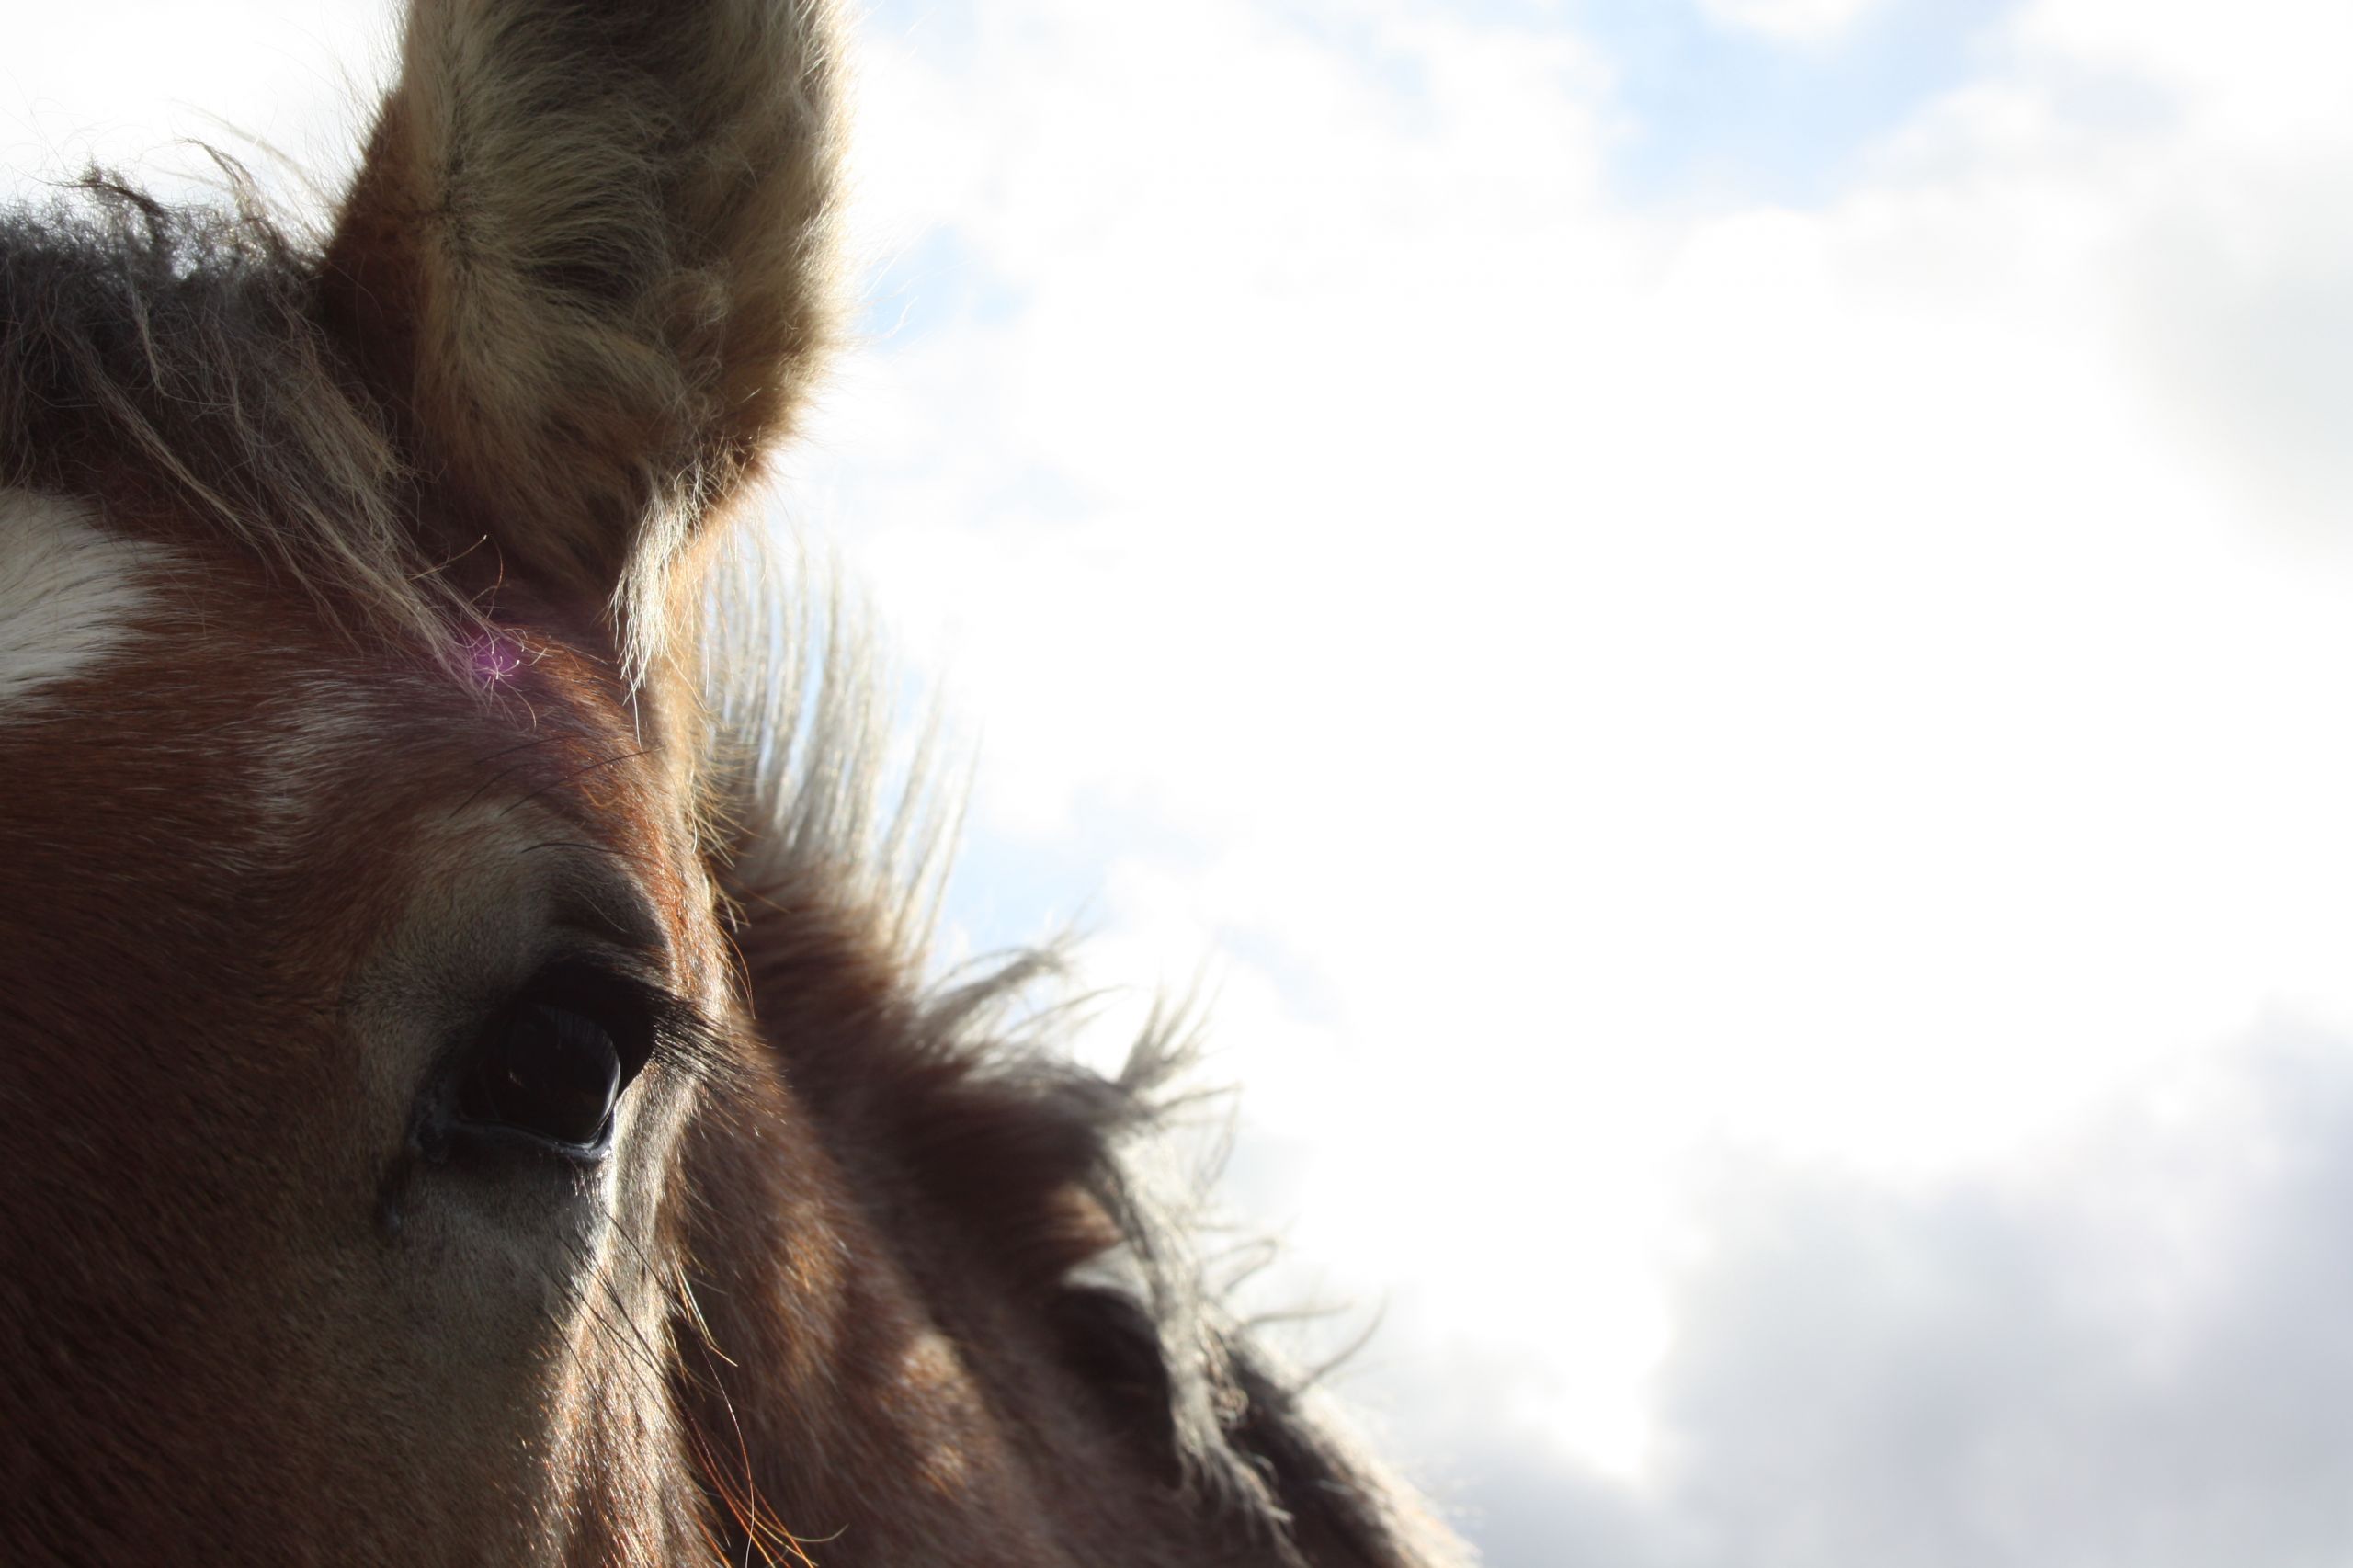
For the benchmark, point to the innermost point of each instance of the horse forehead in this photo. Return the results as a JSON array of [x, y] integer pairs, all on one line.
[[133, 670], [70, 594]]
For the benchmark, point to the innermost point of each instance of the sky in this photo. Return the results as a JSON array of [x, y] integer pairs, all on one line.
[[1720, 631]]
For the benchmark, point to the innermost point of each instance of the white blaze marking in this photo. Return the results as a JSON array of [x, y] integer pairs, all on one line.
[[68, 592], [297, 741]]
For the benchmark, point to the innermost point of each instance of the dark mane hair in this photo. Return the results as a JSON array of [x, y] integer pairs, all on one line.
[[171, 363]]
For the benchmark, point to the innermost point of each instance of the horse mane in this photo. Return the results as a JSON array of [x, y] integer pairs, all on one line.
[[170, 362], [969, 1087], [167, 360]]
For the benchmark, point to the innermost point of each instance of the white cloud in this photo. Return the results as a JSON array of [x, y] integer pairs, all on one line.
[[1846, 677], [129, 85], [2257, 75], [2121, 1347]]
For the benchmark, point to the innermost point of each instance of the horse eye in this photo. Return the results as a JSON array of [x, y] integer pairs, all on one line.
[[546, 1072], [553, 1064]]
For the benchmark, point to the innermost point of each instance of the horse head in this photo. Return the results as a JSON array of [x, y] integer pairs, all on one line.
[[472, 1091]]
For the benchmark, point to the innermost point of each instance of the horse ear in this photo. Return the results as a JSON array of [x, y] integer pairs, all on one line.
[[588, 263]]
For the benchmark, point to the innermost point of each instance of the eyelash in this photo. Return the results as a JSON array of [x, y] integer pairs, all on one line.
[[680, 1038], [677, 1036]]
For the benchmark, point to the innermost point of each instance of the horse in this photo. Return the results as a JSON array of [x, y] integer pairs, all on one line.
[[473, 1088]]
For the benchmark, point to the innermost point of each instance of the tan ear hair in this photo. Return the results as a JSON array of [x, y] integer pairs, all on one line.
[[589, 261]]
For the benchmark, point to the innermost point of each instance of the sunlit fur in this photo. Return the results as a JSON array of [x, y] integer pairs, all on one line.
[[442, 658], [68, 592]]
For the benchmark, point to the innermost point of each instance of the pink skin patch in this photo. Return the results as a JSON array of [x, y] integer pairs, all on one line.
[[495, 658]]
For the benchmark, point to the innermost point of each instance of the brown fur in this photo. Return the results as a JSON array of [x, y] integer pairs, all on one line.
[[867, 1278], [590, 255]]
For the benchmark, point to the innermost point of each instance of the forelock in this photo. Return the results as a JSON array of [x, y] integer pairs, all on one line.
[[166, 363]]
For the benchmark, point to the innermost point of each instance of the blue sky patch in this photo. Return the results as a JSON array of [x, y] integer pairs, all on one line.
[[1712, 113], [936, 283], [1707, 111]]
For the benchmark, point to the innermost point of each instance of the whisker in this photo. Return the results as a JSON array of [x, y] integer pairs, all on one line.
[[581, 772], [503, 773]]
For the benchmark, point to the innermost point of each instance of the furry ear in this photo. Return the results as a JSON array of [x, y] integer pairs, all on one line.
[[588, 261]]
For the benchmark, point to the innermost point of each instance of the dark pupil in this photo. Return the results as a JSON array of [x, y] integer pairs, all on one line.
[[548, 1071]]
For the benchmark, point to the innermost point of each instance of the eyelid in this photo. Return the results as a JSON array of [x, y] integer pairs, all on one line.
[[610, 925], [604, 903]]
